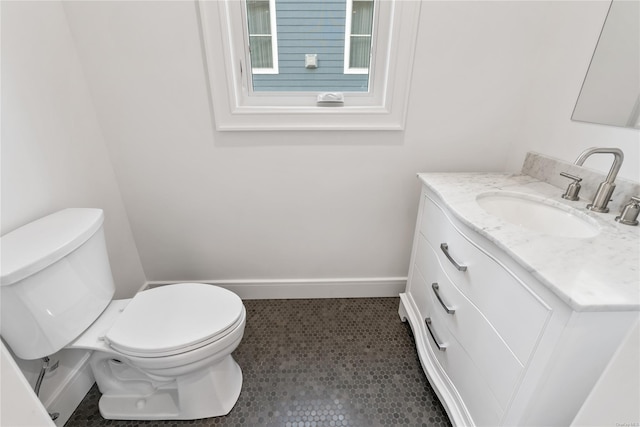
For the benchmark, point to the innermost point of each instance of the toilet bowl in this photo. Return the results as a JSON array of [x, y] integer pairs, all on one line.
[[164, 344], [163, 354]]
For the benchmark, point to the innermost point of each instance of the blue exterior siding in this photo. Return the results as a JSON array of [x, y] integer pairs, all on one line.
[[310, 26]]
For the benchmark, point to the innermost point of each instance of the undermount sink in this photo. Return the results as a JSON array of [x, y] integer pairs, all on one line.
[[538, 214]]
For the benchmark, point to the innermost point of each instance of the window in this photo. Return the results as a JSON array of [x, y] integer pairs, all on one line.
[[263, 39], [312, 40], [358, 36], [380, 43]]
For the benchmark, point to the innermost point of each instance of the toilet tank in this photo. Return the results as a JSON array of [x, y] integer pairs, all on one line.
[[55, 280]]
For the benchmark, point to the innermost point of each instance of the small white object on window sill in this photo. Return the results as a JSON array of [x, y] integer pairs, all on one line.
[[331, 99]]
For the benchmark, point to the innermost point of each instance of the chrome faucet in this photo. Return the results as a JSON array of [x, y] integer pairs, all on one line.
[[605, 189]]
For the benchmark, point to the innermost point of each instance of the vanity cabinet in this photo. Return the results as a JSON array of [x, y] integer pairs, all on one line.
[[498, 346]]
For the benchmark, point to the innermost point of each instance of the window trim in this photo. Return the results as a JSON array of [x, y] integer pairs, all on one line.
[[274, 39], [347, 39], [237, 108]]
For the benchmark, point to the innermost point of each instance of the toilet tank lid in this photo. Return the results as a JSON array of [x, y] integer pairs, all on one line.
[[38, 244]]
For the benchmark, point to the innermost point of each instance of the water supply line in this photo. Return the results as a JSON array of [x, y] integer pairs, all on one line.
[[43, 370]]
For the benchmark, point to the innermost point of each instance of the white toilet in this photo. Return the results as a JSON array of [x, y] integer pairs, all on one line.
[[163, 354]]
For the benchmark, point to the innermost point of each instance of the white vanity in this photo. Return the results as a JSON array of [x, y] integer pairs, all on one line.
[[514, 325]]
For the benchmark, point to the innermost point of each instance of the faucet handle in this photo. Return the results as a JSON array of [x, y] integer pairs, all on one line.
[[630, 211], [573, 189]]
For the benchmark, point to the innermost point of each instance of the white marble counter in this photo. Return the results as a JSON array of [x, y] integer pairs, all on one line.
[[601, 273]]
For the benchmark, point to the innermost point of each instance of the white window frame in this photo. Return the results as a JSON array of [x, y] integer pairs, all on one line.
[[236, 107], [347, 41], [274, 40]]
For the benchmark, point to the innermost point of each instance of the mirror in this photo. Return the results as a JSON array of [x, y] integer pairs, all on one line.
[[610, 93]]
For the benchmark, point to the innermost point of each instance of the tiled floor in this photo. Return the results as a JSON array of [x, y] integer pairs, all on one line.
[[323, 362]]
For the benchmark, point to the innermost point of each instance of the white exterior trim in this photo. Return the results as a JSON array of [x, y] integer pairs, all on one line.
[[347, 39], [369, 287], [237, 108], [274, 39]]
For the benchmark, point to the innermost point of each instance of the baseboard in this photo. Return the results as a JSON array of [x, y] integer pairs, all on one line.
[[306, 288], [70, 392]]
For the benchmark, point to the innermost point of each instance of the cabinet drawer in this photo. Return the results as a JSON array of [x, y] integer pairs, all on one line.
[[463, 373], [424, 270], [493, 358], [418, 290], [517, 314]]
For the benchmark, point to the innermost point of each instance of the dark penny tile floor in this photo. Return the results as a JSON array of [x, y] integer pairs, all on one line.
[[320, 362]]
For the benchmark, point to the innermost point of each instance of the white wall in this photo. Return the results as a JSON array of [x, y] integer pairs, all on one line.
[[573, 30], [53, 150], [492, 80], [267, 205]]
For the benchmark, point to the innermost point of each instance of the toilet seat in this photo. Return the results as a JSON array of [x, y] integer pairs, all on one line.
[[174, 319]]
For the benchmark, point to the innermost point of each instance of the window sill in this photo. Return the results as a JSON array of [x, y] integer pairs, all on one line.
[[309, 118]]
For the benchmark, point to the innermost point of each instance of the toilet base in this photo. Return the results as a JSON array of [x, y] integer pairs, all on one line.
[[205, 393]]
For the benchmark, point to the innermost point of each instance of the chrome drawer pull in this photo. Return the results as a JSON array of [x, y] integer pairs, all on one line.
[[445, 249], [441, 347], [435, 288]]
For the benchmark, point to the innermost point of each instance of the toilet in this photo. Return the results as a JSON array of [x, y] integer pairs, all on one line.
[[163, 354]]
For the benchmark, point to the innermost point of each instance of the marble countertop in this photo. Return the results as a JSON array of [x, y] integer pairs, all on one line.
[[600, 273]]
